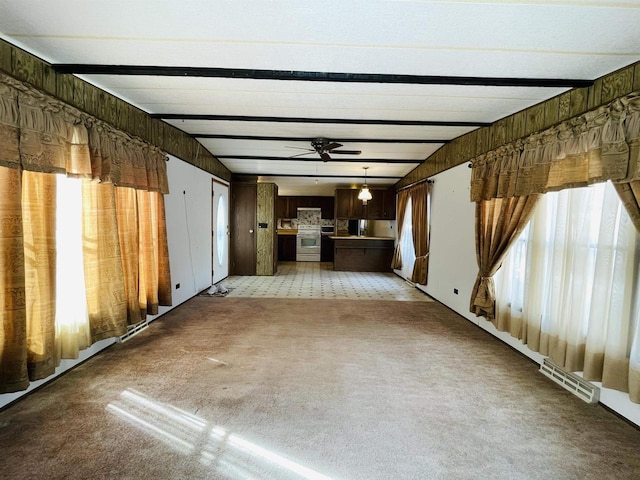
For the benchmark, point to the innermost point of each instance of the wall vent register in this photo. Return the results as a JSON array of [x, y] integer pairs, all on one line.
[[580, 387]]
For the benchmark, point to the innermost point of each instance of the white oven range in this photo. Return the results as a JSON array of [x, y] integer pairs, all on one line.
[[308, 243]]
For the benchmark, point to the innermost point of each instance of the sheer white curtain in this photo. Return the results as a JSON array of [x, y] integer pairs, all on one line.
[[72, 321], [407, 249], [569, 287]]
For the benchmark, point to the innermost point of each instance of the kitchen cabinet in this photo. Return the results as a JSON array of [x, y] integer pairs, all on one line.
[[363, 254], [347, 205], [382, 205], [286, 248], [282, 205], [326, 249], [287, 206], [326, 207]]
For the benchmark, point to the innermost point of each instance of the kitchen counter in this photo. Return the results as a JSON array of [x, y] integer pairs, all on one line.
[[358, 237], [362, 254], [283, 231]]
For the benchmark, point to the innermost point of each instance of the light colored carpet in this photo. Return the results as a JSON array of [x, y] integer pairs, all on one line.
[[241, 388]]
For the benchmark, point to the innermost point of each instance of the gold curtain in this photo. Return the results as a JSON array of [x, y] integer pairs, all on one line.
[[39, 234], [600, 145], [499, 221], [39, 137], [420, 230], [630, 196], [106, 299], [127, 210], [145, 253], [148, 255], [403, 200], [629, 190], [13, 331], [126, 162], [164, 272]]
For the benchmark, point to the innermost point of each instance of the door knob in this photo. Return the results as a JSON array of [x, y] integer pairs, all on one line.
[[251, 230]]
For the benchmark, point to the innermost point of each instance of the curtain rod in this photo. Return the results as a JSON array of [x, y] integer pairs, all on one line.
[[428, 180]]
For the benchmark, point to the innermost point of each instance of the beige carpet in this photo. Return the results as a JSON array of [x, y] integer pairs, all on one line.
[[239, 388]]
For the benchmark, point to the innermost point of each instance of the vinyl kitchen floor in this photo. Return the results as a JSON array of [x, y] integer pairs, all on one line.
[[319, 280]]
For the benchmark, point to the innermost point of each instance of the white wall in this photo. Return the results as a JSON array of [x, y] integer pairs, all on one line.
[[452, 265], [188, 211], [382, 228]]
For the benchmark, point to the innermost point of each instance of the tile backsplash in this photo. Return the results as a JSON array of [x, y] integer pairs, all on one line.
[[311, 217]]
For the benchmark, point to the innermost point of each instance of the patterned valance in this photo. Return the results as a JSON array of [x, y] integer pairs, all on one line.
[[9, 128], [40, 133], [603, 144]]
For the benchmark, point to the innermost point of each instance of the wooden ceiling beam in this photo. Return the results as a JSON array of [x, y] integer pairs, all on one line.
[[338, 121], [310, 139], [309, 76]]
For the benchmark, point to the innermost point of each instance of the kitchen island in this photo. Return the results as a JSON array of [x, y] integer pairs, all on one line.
[[362, 254]]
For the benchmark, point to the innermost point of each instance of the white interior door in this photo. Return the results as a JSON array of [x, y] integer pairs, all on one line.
[[220, 231]]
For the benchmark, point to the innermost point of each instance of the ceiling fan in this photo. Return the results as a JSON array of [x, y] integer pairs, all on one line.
[[324, 147]]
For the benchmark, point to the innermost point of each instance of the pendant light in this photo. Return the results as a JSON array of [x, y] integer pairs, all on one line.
[[364, 194]]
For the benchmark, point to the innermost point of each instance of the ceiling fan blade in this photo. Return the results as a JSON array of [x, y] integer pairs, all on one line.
[[300, 148], [325, 156], [347, 152], [331, 146], [301, 154]]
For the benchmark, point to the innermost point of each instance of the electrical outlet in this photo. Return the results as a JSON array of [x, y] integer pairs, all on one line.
[[177, 286], [455, 290]]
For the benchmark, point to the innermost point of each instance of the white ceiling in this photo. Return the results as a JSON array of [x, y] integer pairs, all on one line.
[[546, 39]]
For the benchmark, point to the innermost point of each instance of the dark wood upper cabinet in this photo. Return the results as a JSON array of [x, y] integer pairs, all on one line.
[[389, 212], [347, 204], [375, 206], [287, 206], [382, 205], [327, 206], [282, 204]]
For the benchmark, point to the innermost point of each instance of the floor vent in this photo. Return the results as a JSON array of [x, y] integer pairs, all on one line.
[[133, 330], [576, 385]]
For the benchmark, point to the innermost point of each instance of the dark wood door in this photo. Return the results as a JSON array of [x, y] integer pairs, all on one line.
[[243, 226]]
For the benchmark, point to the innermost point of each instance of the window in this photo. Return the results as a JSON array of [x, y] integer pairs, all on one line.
[[407, 249], [569, 286]]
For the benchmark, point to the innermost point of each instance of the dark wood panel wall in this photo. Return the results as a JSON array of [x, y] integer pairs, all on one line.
[[123, 116], [524, 123]]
